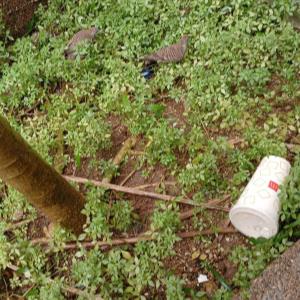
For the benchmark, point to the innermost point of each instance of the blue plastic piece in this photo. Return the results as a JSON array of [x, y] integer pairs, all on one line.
[[147, 72]]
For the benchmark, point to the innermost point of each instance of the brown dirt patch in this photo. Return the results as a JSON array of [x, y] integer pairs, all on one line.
[[216, 252], [18, 13]]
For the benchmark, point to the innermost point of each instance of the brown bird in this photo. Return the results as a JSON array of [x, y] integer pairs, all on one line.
[[172, 53], [84, 35]]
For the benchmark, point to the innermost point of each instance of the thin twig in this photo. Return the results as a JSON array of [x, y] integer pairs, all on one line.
[[160, 98], [236, 140], [190, 234], [206, 132], [134, 191], [189, 213], [136, 153], [128, 177], [78, 292], [12, 267], [155, 184], [127, 145], [133, 240], [18, 224]]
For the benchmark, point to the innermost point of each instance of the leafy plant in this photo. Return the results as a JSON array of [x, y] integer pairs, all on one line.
[[237, 82]]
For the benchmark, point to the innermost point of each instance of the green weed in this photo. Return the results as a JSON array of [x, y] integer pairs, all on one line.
[[239, 79]]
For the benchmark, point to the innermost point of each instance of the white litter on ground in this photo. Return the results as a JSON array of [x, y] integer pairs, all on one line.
[[202, 278]]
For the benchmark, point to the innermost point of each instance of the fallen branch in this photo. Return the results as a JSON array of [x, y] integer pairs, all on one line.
[[127, 145], [155, 184], [134, 191], [190, 234], [133, 240]]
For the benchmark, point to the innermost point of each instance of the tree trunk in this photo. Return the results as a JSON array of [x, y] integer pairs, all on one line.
[[22, 168]]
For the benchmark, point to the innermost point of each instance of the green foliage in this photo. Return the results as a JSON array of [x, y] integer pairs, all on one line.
[[12, 204], [165, 217], [4, 248], [121, 215], [121, 273], [290, 198], [51, 291], [164, 141], [239, 79], [174, 288], [102, 217], [223, 294]]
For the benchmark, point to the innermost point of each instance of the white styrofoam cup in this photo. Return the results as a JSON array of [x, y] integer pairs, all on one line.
[[256, 213]]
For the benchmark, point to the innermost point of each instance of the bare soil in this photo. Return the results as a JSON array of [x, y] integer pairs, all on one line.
[[18, 13]]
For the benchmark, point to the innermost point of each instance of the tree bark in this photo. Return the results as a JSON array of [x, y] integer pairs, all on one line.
[[22, 168]]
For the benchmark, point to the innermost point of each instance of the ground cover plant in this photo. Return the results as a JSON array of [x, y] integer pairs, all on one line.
[[202, 127]]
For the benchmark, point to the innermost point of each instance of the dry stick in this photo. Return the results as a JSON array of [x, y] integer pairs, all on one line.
[[79, 292], [144, 186], [161, 98], [133, 240], [190, 234], [128, 177], [134, 191], [127, 145], [187, 214], [18, 224], [136, 153], [32, 108], [128, 190], [235, 141]]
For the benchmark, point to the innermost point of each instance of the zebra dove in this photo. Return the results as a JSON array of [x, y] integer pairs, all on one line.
[[172, 53], [84, 35]]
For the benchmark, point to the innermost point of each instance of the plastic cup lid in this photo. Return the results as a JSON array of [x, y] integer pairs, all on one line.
[[253, 223]]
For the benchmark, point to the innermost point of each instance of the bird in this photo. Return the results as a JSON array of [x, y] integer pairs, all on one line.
[[172, 53], [84, 35]]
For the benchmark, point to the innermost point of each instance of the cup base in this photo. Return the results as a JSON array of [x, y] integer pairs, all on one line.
[[253, 223]]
